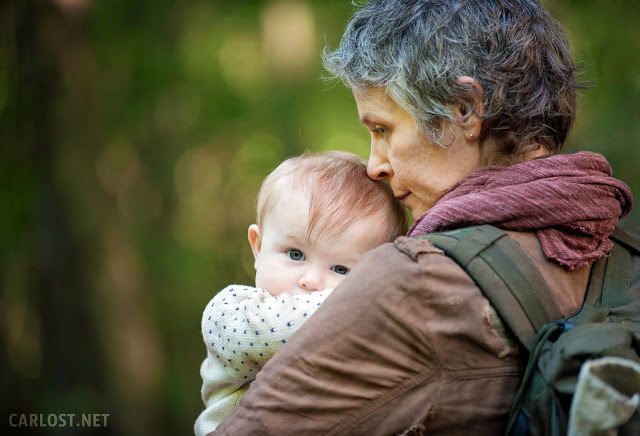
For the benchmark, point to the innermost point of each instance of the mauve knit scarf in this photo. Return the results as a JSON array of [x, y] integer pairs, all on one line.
[[571, 201]]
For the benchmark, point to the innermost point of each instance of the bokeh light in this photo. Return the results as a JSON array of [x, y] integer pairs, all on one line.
[[288, 38]]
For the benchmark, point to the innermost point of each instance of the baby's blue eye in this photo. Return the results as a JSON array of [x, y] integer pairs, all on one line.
[[295, 254], [339, 269]]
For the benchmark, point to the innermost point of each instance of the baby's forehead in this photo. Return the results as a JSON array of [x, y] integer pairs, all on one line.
[[287, 199], [293, 214], [333, 190]]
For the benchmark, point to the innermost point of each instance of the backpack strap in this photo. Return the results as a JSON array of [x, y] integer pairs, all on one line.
[[609, 280], [505, 274], [617, 278], [630, 241], [617, 275]]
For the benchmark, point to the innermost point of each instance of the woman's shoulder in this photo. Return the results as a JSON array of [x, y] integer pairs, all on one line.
[[567, 286], [395, 259], [412, 265], [416, 247]]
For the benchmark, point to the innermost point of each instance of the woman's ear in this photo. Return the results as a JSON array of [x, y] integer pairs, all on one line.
[[254, 240], [471, 124]]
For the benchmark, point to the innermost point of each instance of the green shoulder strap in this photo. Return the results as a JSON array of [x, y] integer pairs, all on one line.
[[617, 275], [505, 274], [610, 279], [630, 241], [617, 278]]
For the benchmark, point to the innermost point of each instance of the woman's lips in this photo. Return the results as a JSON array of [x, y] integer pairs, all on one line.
[[403, 196]]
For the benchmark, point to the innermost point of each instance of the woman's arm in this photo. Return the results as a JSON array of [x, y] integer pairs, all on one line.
[[406, 339]]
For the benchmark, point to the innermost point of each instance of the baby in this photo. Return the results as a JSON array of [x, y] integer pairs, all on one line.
[[317, 215]]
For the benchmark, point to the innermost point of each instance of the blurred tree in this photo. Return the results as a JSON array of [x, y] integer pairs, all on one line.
[[54, 361]]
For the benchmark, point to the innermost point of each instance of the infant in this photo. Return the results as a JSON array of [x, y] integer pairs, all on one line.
[[317, 215]]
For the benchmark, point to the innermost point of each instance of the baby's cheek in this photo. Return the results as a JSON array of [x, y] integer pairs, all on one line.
[[275, 279], [335, 281], [269, 283]]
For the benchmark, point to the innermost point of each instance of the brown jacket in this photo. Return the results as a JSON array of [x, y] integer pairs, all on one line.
[[407, 341]]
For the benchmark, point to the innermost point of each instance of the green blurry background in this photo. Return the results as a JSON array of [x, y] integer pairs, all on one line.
[[134, 136]]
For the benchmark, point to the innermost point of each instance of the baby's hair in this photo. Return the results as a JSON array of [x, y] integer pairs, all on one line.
[[340, 192]]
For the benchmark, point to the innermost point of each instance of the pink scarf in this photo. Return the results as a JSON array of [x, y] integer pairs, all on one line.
[[571, 201]]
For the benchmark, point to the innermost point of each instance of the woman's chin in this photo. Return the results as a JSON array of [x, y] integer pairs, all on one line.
[[418, 206], [417, 210]]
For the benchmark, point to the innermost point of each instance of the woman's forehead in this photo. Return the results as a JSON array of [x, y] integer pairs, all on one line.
[[375, 95], [372, 101]]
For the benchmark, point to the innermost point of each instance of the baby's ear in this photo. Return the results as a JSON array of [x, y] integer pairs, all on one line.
[[254, 240]]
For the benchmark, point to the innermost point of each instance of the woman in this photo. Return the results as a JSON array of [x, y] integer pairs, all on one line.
[[468, 104]]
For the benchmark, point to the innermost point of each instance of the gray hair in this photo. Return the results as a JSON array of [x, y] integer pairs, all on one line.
[[417, 49]]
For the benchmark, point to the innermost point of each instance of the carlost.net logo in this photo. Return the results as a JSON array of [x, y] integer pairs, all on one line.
[[43, 420]]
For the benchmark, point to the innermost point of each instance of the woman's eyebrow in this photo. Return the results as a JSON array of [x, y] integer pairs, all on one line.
[[365, 119], [369, 119]]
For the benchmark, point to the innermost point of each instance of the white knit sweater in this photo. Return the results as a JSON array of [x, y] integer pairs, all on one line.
[[242, 327]]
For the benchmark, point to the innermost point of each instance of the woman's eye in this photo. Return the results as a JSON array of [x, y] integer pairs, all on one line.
[[379, 128], [295, 254], [339, 269]]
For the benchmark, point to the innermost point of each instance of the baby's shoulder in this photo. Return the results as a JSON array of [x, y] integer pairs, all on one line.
[[237, 293], [239, 288]]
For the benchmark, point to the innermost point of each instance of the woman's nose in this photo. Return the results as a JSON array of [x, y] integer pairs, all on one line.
[[311, 280], [378, 167]]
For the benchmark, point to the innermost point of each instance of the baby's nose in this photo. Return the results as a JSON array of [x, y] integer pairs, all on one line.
[[311, 281]]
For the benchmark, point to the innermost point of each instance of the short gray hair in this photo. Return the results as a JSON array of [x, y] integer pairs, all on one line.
[[417, 49]]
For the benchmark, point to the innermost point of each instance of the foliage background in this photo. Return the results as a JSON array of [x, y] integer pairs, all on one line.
[[134, 136]]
